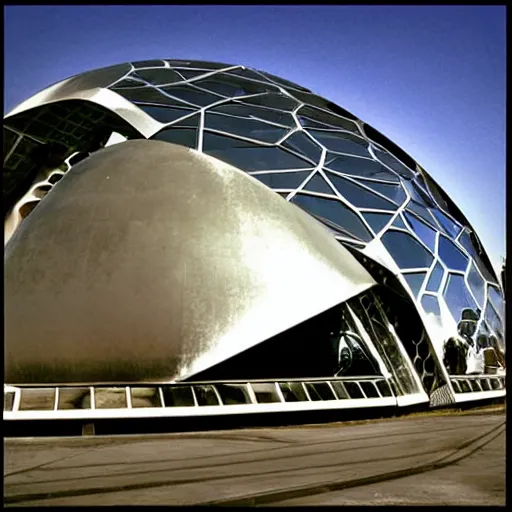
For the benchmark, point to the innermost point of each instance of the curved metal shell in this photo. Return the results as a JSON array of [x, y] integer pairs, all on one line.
[[151, 261]]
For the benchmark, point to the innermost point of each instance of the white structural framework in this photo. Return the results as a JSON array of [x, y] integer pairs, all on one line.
[[422, 319]]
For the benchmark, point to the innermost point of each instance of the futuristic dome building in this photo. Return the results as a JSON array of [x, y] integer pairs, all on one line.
[[194, 238]]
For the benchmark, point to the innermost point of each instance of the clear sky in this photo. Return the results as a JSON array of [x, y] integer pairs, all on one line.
[[431, 78]]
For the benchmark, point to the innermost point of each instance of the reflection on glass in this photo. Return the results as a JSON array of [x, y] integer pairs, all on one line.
[[165, 114], [191, 95], [352, 356], [250, 128], [431, 305], [336, 212], [415, 280], [406, 251], [273, 100], [394, 192], [462, 353], [451, 256], [496, 300], [303, 145], [435, 278], [359, 167], [399, 223], [254, 112], [358, 196], [425, 233], [457, 296], [394, 164], [422, 212], [341, 142], [318, 184], [367, 308], [477, 284], [377, 221], [248, 156], [182, 136], [307, 114], [287, 180], [159, 76], [470, 244], [451, 227]]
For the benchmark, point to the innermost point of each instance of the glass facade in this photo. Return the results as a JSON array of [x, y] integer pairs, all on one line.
[[320, 158]]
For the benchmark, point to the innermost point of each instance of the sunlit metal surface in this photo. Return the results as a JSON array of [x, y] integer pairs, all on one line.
[[150, 261]]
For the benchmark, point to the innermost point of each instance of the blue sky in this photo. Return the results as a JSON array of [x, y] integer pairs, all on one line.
[[431, 78]]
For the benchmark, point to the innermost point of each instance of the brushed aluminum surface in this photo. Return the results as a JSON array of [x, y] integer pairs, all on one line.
[[151, 261]]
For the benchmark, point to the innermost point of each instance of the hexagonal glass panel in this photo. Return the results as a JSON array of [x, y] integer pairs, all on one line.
[[406, 251], [359, 167], [248, 156], [457, 296], [336, 212], [435, 278], [451, 256], [424, 232], [359, 196]]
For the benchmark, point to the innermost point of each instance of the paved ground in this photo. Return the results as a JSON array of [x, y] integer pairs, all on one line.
[[441, 460]]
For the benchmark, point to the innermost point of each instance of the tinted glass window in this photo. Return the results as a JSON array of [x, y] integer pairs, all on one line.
[[394, 164], [283, 82], [148, 95], [164, 114], [318, 184], [341, 142], [336, 212], [250, 128], [231, 85], [148, 63], [431, 305], [406, 251], [451, 227], [254, 112], [311, 116], [415, 281], [471, 246], [394, 192], [191, 73], [273, 100], [494, 323], [191, 95], [180, 396], [359, 196], [426, 234], [128, 83], [423, 213], [181, 136], [435, 278], [451, 256], [248, 156], [359, 167], [288, 180], [302, 144], [497, 300], [399, 223], [222, 87], [457, 296], [377, 220], [158, 76], [205, 395], [477, 284], [417, 194]]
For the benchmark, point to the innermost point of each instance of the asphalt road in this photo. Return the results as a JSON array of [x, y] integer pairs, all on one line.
[[440, 459]]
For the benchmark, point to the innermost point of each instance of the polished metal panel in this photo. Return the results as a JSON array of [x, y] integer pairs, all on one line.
[[152, 262], [92, 86]]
